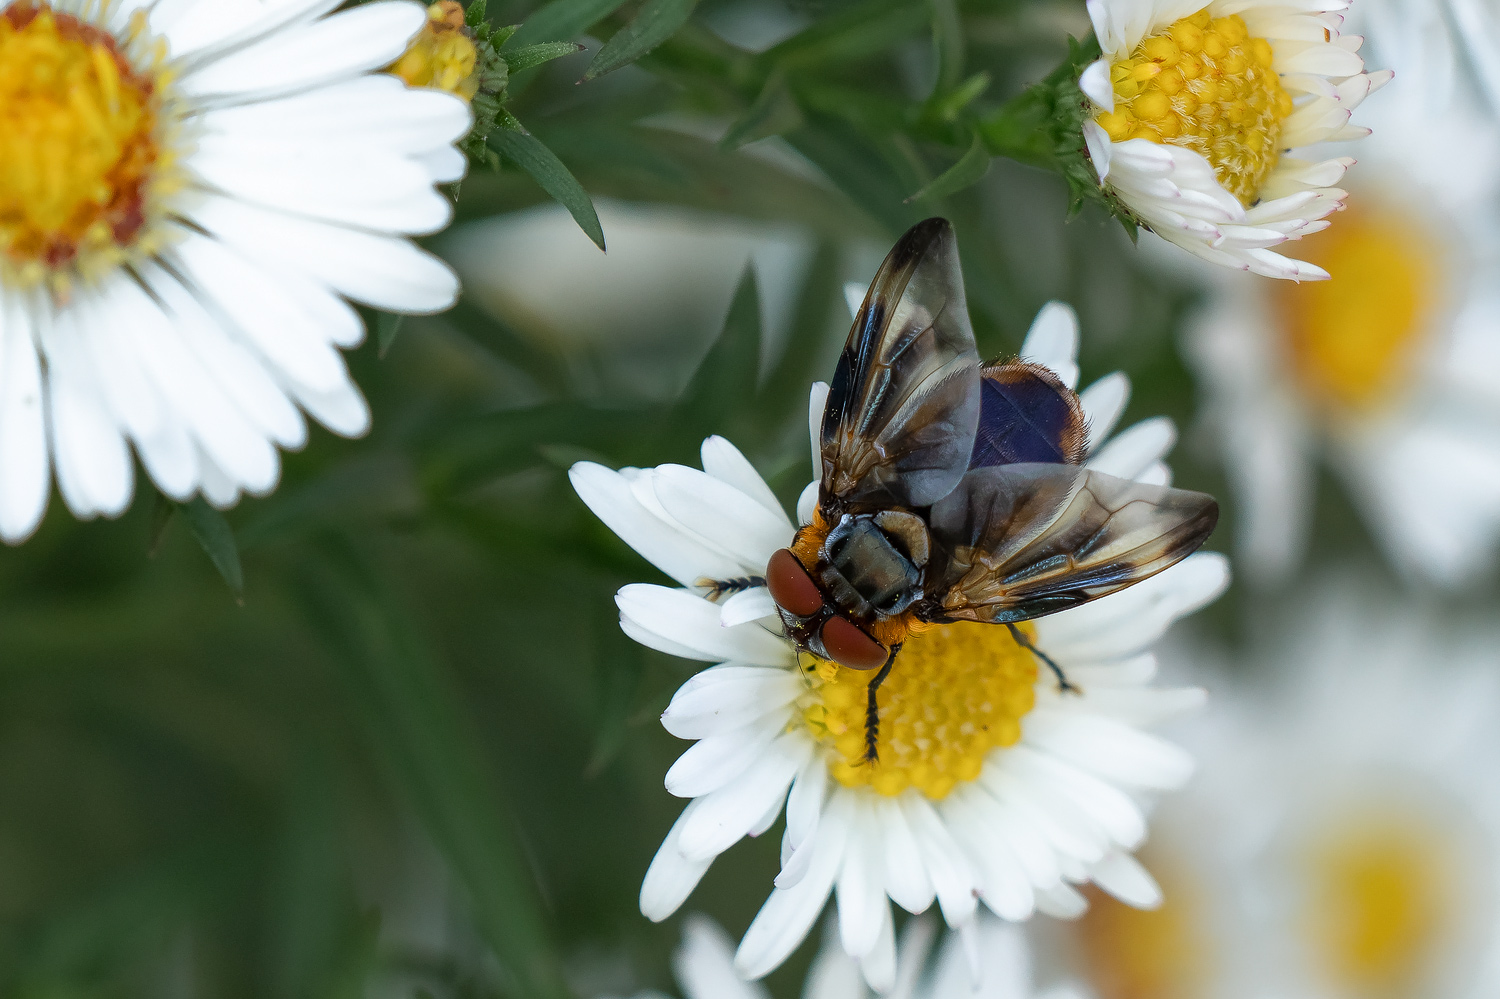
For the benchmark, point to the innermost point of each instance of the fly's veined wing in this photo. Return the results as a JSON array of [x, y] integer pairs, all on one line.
[[898, 429], [1021, 541]]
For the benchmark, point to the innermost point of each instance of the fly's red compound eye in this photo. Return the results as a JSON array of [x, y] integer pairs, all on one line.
[[790, 585], [848, 646]]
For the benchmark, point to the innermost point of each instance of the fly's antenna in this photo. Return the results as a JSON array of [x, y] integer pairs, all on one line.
[[1024, 641], [872, 709]]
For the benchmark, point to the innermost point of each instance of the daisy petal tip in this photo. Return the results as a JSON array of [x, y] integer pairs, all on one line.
[[1096, 85]]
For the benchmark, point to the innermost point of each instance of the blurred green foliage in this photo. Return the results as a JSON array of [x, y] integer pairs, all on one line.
[[408, 751]]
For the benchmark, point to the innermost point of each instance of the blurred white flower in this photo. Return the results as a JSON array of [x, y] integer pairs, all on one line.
[[1390, 373], [998, 968], [991, 786], [1196, 105], [1343, 838], [189, 190]]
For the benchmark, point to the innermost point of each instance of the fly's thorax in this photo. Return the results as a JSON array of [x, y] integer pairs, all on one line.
[[871, 565]]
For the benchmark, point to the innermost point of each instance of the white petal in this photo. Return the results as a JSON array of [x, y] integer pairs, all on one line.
[[25, 474], [665, 545], [716, 510], [1103, 402], [788, 914], [690, 620], [671, 877], [357, 40], [1136, 448], [1053, 341], [713, 762], [725, 462], [1123, 877], [754, 604], [704, 964], [728, 814], [387, 272]]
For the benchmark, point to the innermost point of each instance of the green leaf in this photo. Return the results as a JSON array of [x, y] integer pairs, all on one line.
[[948, 38], [727, 377], [855, 32], [563, 20], [213, 533], [475, 15], [417, 726], [387, 328], [527, 152], [534, 55], [656, 21], [774, 112], [968, 171]]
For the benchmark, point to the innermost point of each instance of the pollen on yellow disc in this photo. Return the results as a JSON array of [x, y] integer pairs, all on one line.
[[443, 55], [79, 144], [1350, 340], [956, 692], [1163, 953], [1205, 83], [1382, 898]]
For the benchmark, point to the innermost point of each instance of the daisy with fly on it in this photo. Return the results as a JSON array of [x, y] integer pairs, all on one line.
[[1197, 111], [181, 236], [989, 785]]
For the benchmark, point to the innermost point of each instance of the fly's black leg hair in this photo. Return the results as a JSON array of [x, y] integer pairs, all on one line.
[[718, 588], [872, 709], [1063, 686]]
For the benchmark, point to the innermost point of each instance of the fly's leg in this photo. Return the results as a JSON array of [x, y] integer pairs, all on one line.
[[872, 709], [1063, 686], [720, 588]]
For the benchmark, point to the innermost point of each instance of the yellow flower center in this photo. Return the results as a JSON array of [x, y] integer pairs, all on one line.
[[956, 692], [82, 157], [1133, 953], [1351, 339], [1206, 84], [443, 55], [1382, 897]]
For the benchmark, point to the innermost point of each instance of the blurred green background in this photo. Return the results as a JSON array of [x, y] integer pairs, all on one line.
[[416, 754]]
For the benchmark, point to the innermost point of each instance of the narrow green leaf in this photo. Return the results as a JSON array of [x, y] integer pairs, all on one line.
[[728, 374], [563, 20], [948, 38], [161, 519], [968, 171], [774, 112], [213, 533], [534, 55], [387, 328], [418, 727], [527, 152], [475, 15], [657, 21]]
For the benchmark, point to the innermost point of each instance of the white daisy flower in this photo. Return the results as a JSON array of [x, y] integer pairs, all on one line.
[[189, 192], [704, 967], [1391, 374], [991, 787], [1343, 838], [1196, 107]]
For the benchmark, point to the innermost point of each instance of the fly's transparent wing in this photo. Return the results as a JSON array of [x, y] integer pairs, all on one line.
[[899, 426], [1021, 541]]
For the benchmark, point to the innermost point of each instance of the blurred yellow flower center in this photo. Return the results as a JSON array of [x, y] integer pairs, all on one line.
[[956, 692], [1351, 339], [443, 55], [1206, 84], [80, 149], [1139, 954], [1382, 896]]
